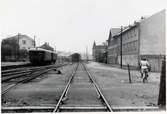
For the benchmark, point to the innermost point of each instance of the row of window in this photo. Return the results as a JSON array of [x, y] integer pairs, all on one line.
[[129, 34], [129, 47]]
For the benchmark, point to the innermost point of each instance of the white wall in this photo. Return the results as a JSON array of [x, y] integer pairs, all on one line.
[[152, 34]]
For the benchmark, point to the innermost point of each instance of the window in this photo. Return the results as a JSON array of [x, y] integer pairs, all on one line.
[[131, 33], [33, 42], [23, 41]]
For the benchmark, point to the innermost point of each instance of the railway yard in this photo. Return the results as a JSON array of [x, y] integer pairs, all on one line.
[[78, 87]]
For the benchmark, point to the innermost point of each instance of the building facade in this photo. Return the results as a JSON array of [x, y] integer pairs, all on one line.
[[99, 53], [25, 42], [112, 49], [15, 48], [145, 38]]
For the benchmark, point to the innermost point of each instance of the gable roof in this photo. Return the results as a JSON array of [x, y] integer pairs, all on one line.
[[20, 36], [46, 46], [113, 32]]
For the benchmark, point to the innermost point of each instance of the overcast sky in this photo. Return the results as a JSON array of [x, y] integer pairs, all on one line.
[[71, 25]]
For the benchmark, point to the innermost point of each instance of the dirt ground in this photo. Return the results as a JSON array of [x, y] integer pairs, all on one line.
[[43, 91], [115, 85]]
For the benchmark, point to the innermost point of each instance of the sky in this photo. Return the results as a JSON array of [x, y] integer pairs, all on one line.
[[71, 25]]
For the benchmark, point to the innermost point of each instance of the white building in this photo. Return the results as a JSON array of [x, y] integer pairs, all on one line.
[[25, 42]]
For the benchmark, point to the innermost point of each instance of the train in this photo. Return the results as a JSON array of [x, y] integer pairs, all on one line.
[[42, 56], [75, 57]]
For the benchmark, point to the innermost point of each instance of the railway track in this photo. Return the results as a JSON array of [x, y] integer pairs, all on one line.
[[82, 94], [7, 75], [23, 75]]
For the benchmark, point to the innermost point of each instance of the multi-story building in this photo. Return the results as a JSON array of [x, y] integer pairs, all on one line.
[[112, 45], [99, 52], [145, 38], [15, 47], [25, 42]]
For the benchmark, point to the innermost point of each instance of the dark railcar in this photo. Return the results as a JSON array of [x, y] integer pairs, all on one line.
[[42, 56], [76, 57]]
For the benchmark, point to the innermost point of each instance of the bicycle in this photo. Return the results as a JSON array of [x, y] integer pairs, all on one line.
[[145, 72]]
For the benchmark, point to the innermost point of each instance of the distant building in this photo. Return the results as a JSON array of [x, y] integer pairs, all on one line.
[[25, 42], [145, 38], [15, 48], [63, 56], [112, 57], [99, 52], [46, 46]]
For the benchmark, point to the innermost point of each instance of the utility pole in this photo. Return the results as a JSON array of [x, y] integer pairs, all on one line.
[[34, 41], [55, 49], [121, 47], [18, 46], [87, 53]]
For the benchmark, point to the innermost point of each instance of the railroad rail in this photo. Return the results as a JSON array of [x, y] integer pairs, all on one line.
[[65, 90], [31, 74], [101, 96], [60, 104], [19, 72]]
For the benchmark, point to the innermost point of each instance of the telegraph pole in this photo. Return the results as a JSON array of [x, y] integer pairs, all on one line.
[[87, 53], [18, 46], [121, 47], [55, 48], [34, 41]]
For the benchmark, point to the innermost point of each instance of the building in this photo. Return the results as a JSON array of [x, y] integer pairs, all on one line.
[[145, 38], [99, 53], [46, 46], [112, 56], [25, 42], [15, 48]]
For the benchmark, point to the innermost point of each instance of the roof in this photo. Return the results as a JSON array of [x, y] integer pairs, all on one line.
[[126, 29], [46, 46], [20, 36], [40, 49], [113, 32], [100, 47]]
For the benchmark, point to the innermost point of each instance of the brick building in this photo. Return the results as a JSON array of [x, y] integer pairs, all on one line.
[[143, 38], [99, 53]]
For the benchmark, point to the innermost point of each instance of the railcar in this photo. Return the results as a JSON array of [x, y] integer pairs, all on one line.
[[42, 56], [76, 57]]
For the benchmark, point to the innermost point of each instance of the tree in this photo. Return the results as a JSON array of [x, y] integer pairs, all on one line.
[[9, 49]]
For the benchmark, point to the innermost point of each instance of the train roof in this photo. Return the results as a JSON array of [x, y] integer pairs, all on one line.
[[41, 49]]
